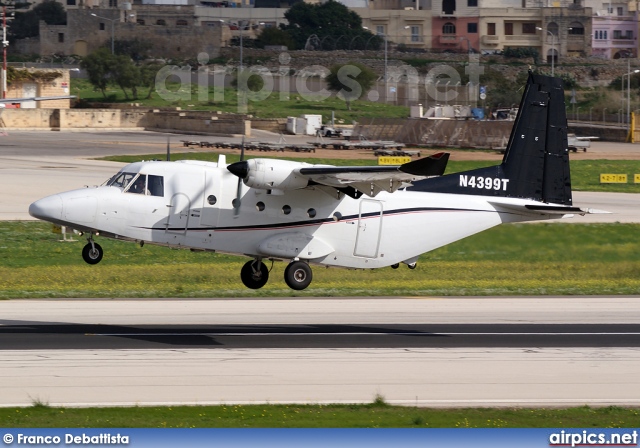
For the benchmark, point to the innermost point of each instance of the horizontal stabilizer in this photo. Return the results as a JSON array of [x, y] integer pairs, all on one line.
[[433, 165], [556, 210]]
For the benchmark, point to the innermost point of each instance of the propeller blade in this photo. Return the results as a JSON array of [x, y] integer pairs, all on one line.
[[243, 168]]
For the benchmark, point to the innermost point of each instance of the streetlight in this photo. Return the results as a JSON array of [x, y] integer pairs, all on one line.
[[385, 62], [112, 23], [628, 75], [603, 117], [553, 42]]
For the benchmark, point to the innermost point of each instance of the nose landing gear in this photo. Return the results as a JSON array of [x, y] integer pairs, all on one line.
[[92, 253]]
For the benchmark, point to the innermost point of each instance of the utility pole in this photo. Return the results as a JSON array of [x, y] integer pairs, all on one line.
[[5, 44]]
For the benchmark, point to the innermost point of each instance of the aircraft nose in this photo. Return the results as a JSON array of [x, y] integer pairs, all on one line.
[[47, 208]]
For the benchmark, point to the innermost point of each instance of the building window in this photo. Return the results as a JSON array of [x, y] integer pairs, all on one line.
[[60, 37], [140, 21], [553, 28], [161, 22], [71, 2], [449, 7], [449, 28], [113, 3], [528, 28], [472, 3], [181, 22], [576, 29], [491, 29], [508, 29], [472, 28], [620, 10], [101, 26], [617, 34], [415, 33], [380, 30], [628, 34]]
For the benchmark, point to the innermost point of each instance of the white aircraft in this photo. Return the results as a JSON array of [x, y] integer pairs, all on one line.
[[350, 217]]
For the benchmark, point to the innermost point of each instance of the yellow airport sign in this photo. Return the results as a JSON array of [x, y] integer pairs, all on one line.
[[613, 178], [393, 160], [636, 178]]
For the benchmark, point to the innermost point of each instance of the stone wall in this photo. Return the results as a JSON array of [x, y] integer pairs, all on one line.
[[197, 123], [72, 119]]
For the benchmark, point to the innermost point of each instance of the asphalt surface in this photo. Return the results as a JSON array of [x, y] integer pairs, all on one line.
[[92, 337], [511, 351]]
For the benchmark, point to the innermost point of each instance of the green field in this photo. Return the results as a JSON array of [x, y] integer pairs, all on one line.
[[515, 259], [272, 107], [375, 415], [585, 174]]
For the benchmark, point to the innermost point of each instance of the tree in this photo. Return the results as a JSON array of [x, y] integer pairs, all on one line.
[[350, 81], [125, 74], [274, 36], [148, 76], [136, 49], [98, 66], [331, 21], [27, 24]]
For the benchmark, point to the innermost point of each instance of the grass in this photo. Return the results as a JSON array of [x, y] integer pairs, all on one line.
[[271, 107], [585, 174], [517, 259], [375, 415]]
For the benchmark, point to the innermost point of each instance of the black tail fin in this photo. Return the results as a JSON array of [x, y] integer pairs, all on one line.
[[536, 162]]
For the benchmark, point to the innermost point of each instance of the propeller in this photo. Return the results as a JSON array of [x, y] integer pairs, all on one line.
[[241, 170]]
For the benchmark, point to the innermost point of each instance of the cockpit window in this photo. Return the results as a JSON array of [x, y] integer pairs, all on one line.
[[121, 180], [155, 185], [148, 185], [138, 186]]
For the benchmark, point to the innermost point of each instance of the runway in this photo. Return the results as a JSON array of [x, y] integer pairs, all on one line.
[[93, 337], [534, 351], [555, 351]]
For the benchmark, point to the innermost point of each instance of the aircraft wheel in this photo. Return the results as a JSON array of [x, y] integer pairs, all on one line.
[[92, 255], [395, 266], [254, 274], [412, 265], [298, 275]]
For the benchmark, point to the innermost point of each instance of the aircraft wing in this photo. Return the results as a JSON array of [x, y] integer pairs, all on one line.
[[371, 180]]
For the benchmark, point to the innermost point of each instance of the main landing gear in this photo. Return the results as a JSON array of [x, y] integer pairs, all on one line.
[[92, 253], [297, 275], [254, 274]]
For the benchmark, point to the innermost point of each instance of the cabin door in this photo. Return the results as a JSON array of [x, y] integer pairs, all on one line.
[[369, 229]]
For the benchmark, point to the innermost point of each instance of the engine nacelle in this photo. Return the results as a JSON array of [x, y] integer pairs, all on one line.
[[273, 174]]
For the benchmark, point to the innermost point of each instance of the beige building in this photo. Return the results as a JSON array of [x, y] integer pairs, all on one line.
[[56, 87], [561, 29], [170, 30]]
